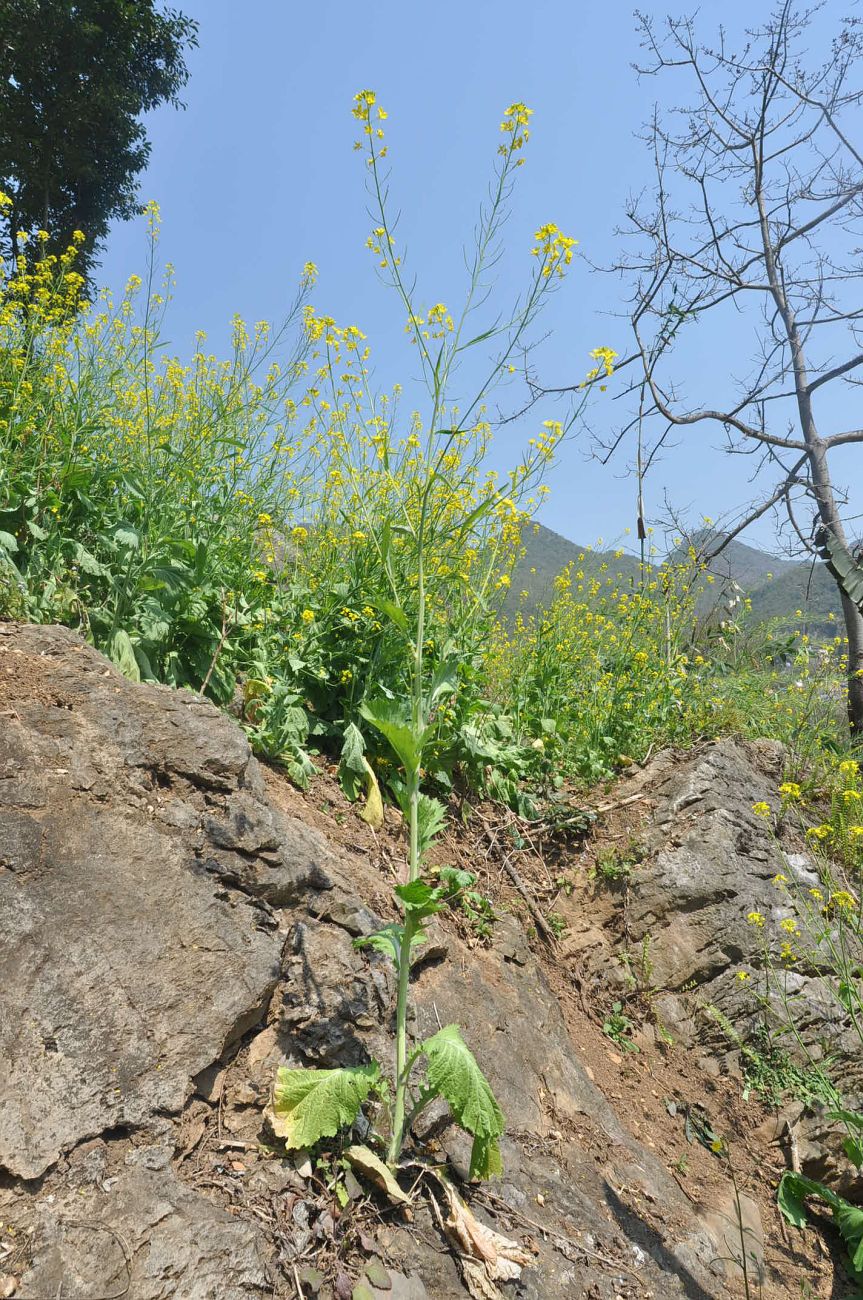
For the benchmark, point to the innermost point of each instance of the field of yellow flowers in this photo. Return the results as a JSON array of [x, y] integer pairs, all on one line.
[[270, 524]]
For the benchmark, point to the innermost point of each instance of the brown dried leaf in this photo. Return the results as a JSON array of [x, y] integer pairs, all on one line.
[[364, 1162], [501, 1258], [477, 1281]]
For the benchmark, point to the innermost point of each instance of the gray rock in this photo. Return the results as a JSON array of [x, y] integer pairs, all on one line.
[[149, 1234], [126, 969], [141, 867], [709, 862]]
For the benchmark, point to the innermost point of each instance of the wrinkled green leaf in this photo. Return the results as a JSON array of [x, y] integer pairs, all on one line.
[[355, 772], [454, 1075], [8, 542], [352, 763], [853, 1149], [431, 819], [386, 940], [419, 899], [87, 562], [308, 1105], [127, 537], [790, 1198], [444, 682], [850, 1220], [794, 1188], [455, 879]]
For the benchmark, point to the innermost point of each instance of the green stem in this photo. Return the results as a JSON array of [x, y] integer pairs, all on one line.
[[403, 1065], [401, 1046]]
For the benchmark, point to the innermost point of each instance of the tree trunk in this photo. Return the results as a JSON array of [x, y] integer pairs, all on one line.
[[816, 452], [854, 628]]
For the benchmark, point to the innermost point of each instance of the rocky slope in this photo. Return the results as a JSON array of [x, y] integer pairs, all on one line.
[[172, 933]]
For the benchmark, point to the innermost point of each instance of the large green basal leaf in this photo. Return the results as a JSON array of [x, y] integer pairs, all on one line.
[[308, 1105]]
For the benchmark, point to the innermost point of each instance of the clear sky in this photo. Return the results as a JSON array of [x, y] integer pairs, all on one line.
[[258, 175]]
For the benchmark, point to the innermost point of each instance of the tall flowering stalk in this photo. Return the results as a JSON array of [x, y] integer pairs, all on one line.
[[444, 531], [441, 339]]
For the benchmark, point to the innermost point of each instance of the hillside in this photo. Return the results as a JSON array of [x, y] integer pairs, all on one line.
[[143, 1158], [777, 587]]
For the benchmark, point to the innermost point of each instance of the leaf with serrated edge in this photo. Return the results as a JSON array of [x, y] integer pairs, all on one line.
[[307, 1105], [454, 1075], [431, 819], [364, 1161]]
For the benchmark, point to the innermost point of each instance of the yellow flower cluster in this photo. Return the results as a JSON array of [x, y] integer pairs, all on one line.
[[553, 249], [515, 125], [367, 111]]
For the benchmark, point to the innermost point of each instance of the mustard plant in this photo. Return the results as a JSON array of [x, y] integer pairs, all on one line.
[[444, 538]]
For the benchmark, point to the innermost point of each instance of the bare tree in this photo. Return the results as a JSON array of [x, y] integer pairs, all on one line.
[[757, 210]]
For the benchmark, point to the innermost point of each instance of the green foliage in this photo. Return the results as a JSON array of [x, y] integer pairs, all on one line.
[[474, 906], [619, 1028], [770, 1071], [280, 729], [794, 1188], [74, 80], [616, 664], [308, 1105], [454, 1075], [615, 865]]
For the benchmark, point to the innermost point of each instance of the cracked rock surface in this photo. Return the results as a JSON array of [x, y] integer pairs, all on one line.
[[170, 938], [114, 926]]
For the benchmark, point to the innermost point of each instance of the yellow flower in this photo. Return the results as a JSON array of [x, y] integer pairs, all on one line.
[[743, 976], [554, 249], [756, 919], [779, 879], [264, 518], [841, 898], [308, 616], [789, 925], [761, 809], [790, 790]]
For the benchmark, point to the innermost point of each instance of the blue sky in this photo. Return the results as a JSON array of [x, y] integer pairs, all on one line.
[[257, 176]]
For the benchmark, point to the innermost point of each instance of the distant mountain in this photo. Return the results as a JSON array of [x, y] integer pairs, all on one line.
[[546, 554], [777, 587]]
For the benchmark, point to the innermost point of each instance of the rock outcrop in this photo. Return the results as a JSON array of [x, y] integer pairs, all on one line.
[[709, 862], [170, 937]]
